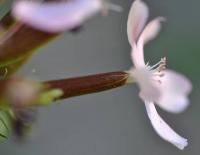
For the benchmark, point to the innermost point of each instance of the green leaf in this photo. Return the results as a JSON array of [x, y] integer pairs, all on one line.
[[5, 124]]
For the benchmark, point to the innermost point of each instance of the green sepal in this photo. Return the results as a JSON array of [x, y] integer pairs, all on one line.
[[47, 97]]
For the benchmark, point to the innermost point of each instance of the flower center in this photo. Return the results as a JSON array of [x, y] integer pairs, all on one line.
[[158, 69]]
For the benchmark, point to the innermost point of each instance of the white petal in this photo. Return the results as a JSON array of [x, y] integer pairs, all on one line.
[[176, 82], [150, 31], [54, 16], [148, 89], [173, 103], [174, 88], [163, 129], [137, 57], [136, 20]]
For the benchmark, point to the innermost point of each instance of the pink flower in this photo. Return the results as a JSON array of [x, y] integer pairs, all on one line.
[[55, 16], [165, 88]]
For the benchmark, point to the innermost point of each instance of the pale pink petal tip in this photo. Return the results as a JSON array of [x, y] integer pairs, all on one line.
[[151, 30], [163, 129], [136, 20], [175, 89]]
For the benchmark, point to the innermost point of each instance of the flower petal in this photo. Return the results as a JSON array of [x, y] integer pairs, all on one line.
[[174, 88], [144, 79], [137, 57], [150, 31], [176, 82], [174, 104], [55, 16], [163, 129], [136, 20]]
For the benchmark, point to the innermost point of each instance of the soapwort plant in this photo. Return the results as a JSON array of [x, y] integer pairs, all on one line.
[[30, 24]]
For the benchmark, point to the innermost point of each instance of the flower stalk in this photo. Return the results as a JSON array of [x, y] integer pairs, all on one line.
[[21, 93], [77, 86]]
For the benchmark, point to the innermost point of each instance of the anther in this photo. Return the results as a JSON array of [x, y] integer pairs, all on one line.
[[162, 65]]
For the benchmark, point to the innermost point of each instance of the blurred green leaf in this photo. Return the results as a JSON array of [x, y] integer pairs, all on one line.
[[5, 124]]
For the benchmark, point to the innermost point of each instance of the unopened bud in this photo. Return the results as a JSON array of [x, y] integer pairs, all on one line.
[[21, 92]]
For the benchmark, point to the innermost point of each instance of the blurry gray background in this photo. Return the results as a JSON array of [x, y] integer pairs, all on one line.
[[114, 122]]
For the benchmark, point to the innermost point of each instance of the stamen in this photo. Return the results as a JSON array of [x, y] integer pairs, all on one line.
[[158, 72], [162, 65], [154, 66]]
